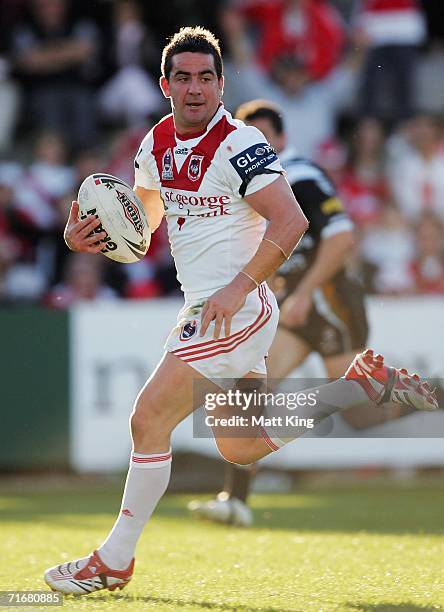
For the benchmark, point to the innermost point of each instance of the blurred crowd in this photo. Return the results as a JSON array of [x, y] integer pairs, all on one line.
[[360, 84]]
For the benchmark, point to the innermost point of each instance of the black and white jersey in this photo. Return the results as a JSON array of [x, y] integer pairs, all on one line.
[[325, 212]]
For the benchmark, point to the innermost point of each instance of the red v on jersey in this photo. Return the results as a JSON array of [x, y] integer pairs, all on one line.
[[198, 160]]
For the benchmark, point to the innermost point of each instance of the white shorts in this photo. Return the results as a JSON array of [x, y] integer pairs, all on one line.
[[252, 331]]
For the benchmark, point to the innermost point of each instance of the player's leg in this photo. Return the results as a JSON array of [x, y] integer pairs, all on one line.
[[368, 381], [357, 417], [360, 417], [230, 506], [165, 400], [227, 507], [287, 352], [348, 333]]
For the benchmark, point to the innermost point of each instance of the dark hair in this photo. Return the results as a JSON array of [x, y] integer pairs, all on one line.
[[261, 109], [193, 40]]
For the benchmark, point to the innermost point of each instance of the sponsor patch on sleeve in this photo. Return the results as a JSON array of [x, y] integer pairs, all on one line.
[[332, 206], [252, 160]]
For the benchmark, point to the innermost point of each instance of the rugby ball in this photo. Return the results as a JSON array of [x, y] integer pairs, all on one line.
[[122, 216]]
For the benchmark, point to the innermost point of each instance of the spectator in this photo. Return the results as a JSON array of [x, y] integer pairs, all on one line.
[[429, 83], [428, 266], [416, 172], [363, 185], [123, 151], [21, 278], [332, 157], [86, 162], [56, 59], [394, 30], [307, 30], [47, 180], [130, 94], [9, 103], [9, 243], [387, 251], [83, 282], [9, 91], [310, 109]]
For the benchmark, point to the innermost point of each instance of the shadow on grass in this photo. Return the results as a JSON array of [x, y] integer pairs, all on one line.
[[182, 603], [376, 510], [388, 607]]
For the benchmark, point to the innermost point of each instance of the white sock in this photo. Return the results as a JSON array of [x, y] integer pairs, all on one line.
[[330, 398], [147, 480]]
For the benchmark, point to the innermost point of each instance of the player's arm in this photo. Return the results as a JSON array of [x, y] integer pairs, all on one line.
[[331, 256], [328, 220], [152, 204], [146, 185], [287, 224]]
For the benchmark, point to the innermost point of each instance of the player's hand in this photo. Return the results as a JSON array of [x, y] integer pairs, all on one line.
[[221, 307], [78, 232], [296, 308]]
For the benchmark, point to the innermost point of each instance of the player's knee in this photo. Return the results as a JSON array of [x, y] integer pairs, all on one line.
[[234, 453], [145, 418]]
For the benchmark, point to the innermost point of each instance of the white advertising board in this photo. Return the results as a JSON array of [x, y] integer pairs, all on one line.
[[114, 347]]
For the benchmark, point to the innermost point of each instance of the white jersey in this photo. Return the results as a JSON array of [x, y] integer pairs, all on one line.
[[202, 180]]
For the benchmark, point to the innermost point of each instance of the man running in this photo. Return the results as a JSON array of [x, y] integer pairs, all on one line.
[[218, 183]]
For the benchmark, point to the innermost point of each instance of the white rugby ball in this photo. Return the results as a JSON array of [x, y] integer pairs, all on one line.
[[122, 216]]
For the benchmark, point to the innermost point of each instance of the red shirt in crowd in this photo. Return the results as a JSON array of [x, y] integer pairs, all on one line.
[[363, 199], [315, 36]]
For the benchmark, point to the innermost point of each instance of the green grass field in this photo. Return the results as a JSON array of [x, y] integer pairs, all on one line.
[[374, 547]]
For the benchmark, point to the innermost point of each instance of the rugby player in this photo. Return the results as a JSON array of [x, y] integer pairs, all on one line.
[[218, 183]]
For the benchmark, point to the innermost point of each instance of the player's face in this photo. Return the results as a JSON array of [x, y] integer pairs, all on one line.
[[194, 90], [276, 140]]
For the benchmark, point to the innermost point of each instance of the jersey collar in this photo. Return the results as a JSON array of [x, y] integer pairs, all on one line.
[[216, 117]]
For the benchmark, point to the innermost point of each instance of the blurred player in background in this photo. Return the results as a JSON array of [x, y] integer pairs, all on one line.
[[217, 182], [322, 306]]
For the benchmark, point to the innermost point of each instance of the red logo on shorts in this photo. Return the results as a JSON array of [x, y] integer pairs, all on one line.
[[127, 512]]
